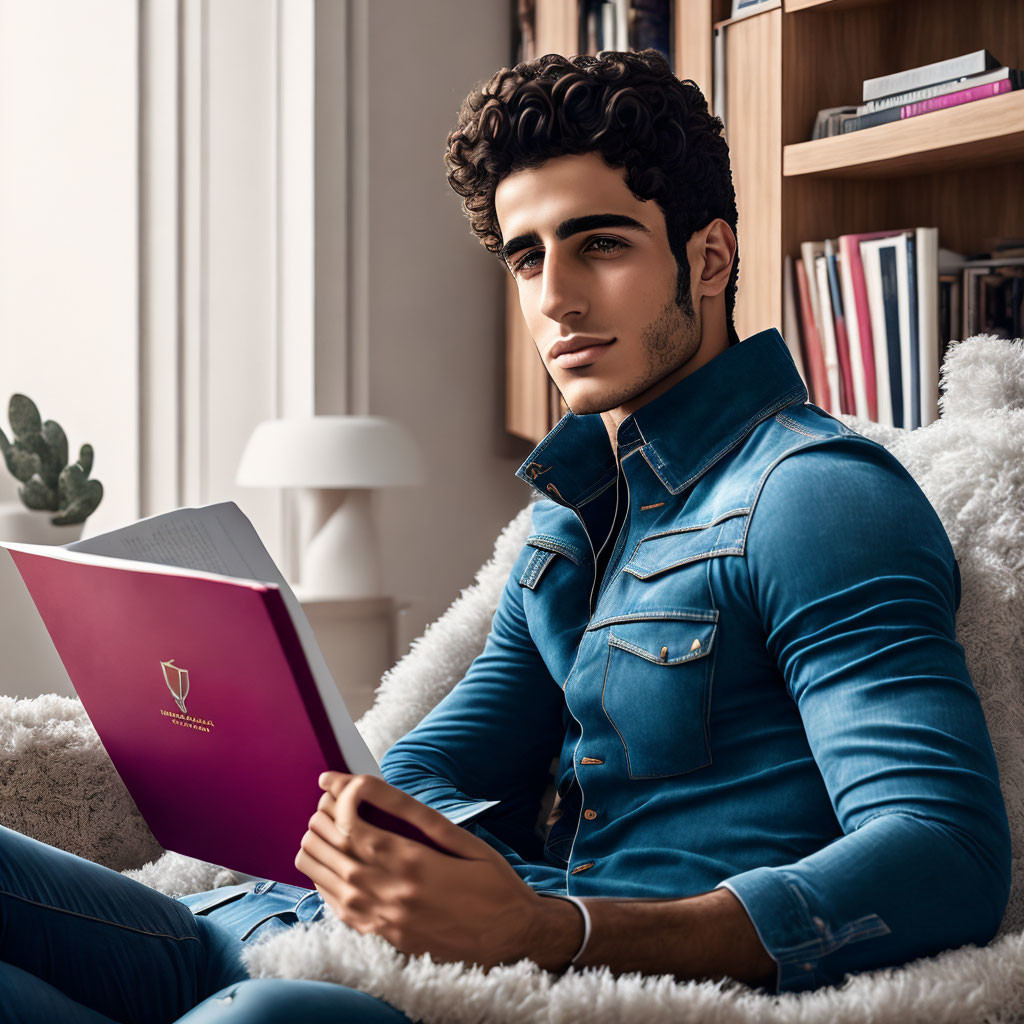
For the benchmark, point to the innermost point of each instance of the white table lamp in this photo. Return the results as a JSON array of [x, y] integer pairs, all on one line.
[[333, 461]]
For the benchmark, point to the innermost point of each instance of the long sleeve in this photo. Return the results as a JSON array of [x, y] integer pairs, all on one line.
[[484, 752], [857, 588]]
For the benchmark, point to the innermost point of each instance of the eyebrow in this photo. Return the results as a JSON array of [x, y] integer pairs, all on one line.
[[573, 226]]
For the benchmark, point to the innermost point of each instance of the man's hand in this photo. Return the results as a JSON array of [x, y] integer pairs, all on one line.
[[472, 908]]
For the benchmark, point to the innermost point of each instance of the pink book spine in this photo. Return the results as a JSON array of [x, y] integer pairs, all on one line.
[[954, 99], [849, 246], [850, 251], [846, 400]]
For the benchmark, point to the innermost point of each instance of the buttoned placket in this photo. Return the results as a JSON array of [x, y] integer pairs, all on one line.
[[589, 813]]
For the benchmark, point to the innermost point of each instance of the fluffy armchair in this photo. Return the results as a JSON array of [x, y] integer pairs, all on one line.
[[57, 784]]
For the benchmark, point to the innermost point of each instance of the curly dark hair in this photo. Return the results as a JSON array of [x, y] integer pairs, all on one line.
[[629, 106]]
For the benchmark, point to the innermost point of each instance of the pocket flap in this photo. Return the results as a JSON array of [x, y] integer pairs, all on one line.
[[204, 902], [548, 542], [668, 550], [665, 641]]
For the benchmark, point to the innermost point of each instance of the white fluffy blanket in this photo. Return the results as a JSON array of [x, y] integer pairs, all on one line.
[[57, 784]]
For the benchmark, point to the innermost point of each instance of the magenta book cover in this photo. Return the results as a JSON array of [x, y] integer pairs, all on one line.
[[203, 699]]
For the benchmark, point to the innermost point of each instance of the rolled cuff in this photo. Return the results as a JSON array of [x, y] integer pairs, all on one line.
[[795, 939]]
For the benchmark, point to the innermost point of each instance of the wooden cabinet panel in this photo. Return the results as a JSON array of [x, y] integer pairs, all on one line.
[[527, 385], [753, 127]]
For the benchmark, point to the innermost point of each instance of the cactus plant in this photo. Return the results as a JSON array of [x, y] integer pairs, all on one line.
[[38, 457]]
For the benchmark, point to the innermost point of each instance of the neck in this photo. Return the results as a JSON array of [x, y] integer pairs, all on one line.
[[714, 339]]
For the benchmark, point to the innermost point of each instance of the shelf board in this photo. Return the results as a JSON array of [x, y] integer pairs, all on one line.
[[980, 133], [831, 5]]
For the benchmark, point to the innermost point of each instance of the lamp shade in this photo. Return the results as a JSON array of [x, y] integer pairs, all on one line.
[[330, 452]]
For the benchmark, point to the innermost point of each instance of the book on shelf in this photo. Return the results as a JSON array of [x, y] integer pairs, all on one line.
[[625, 25], [930, 91], [809, 252], [525, 42], [791, 319], [743, 8], [872, 267], [651, 28], [828, 336], [907, 278], [200, 672], [886, 320], [877, 329], [975, 63], [816, 379], [603, 25], [846, 402], [830, 120], [862, 351], [985, 294], [898, 113]]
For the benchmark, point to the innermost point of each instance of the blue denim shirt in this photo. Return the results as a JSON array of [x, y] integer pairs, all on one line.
[[764, 693]]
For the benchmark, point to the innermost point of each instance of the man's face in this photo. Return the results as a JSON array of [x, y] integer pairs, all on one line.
[[614, 283]]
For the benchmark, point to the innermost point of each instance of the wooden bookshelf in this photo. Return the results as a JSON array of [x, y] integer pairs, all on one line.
[[959, 169]]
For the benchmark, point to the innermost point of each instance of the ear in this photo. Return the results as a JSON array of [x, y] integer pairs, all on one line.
[[716, 252]]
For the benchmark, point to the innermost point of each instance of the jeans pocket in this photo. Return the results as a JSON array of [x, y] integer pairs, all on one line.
[[201, 903], [656, 693]]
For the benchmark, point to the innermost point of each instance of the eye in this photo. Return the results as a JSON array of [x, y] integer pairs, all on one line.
[[614, 242], [610, 245], [524, 263]]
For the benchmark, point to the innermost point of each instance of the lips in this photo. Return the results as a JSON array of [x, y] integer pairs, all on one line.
[[580, 350], [576, 343]]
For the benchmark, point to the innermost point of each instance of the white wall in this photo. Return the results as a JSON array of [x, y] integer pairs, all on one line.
[[68, 232], [436, 300]]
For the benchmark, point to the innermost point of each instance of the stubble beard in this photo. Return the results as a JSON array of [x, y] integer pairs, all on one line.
[[668, 341]]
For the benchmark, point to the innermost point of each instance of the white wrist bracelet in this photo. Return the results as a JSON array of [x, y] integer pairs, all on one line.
[[582, 907]]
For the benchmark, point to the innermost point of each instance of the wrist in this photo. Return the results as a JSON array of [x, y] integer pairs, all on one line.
[[557, 934]]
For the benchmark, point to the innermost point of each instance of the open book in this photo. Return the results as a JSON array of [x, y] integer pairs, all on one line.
[[201, 674]]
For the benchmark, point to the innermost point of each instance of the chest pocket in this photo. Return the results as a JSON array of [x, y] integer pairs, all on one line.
[[657, 692]]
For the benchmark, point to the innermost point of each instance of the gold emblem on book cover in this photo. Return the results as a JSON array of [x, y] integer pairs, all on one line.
[[177, 682]]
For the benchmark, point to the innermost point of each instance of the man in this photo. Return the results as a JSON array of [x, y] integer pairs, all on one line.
[[732, 624]]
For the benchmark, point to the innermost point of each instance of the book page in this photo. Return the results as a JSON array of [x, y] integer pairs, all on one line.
[[214, 538]]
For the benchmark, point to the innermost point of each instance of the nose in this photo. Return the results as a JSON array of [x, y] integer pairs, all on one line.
[[563, 289]]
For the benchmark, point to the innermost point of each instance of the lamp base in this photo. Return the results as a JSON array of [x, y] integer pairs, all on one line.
[[339, 557]]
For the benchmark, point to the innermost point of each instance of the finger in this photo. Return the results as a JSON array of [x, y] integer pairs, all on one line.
[[367, 878], [352, 907], [358, 892], [333, 781], [339, 837], [380, 794], [327, 804]]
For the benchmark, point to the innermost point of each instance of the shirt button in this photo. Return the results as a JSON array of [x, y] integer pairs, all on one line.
[[582, 867], [589, 814], [807, 967]]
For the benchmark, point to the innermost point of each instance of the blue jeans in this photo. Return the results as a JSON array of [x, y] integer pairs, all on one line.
[[82, 944]]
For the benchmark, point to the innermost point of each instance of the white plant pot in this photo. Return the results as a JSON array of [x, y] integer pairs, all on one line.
[[21, 525]]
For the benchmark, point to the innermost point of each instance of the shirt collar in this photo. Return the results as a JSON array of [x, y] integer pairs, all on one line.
[[682, 432]]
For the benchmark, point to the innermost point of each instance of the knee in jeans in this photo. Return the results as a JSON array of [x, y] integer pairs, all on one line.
[[281, 1001], [253, 1001]]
